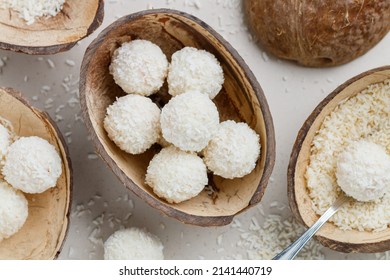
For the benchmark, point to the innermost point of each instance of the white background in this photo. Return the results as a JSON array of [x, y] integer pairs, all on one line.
[[292, 92]]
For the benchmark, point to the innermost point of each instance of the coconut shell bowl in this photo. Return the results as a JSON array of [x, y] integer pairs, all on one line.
[[49, 35], [298, 194], [45, 229], [240, 99]]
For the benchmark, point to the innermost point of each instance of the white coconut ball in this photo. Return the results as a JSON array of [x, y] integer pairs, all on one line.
[[133, 123], [32, 165], [139, 67], [189, 121], [233, 151], [133, 244], [363, 171], [13, 210], [193, 69], [5, 141], [176, 175]]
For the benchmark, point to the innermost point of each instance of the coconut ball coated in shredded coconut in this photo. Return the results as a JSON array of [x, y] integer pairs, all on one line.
[[176, 175], [189, 120], [133, 123], [363, 171], [139, 67], [13, 210], [133, 244], [193, 69], [32, 165], [233, 151]]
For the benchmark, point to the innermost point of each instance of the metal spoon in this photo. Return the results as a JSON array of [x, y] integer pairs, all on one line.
[[291, 251]]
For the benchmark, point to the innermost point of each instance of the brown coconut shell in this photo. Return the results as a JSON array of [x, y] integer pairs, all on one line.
[[240, 99], [318, 33], [49, 35], [331, 236], [44, 232]]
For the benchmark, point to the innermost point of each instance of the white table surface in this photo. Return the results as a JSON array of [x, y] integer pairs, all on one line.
[[292, 92]]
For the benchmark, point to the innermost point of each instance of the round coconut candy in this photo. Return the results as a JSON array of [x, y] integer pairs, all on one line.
[[363, 171], [133, 244], [13, 210], [189, 120], [133, 123], [139, 67], [176, 175], [193, 69], [233, 151], [32, 165]]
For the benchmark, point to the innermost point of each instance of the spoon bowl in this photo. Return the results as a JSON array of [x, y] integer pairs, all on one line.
[[298, 194]]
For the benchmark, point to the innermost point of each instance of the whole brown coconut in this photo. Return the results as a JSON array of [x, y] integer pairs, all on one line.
[[318, 32]]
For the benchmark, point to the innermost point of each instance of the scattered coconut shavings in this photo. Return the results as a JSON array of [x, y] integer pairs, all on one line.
[[383, 256], [70, 62], [97, 225], [92, 156], [58, 118], [59, 108], [219, 240], [70, 253], [329, 80], [95, 237], [3, 63], [91, 203], [273, 204], [274, 235], [51, 63]]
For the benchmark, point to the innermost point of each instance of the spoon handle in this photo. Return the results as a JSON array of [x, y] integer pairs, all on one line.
[[291, 251]]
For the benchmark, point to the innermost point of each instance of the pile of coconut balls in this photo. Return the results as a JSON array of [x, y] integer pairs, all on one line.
[[28, 165], [187, 127]]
